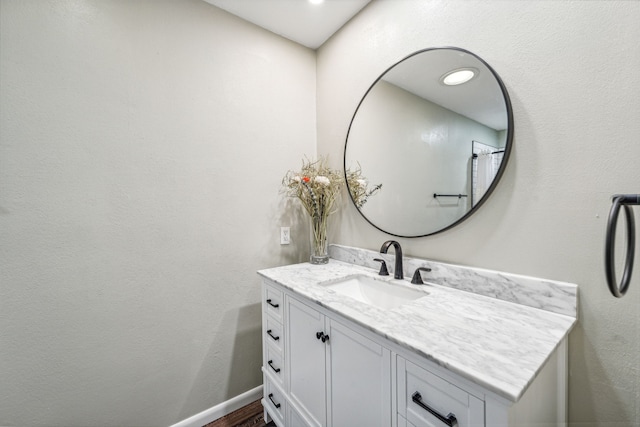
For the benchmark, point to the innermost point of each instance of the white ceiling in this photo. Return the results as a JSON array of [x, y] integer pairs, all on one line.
[[480, 99], [298, 20]]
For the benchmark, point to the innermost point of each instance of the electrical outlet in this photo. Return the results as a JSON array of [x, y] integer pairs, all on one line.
[[285, 235]]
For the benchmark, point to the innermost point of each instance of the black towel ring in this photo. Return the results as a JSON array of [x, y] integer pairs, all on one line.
[[624, 201]]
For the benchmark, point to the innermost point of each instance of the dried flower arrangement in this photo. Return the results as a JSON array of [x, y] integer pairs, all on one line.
[[318, 187]]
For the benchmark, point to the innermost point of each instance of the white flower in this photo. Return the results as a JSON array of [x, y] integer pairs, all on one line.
[[296, 178], [323, 180], [362, 183]]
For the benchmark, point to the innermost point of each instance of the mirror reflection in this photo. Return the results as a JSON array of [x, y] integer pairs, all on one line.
[[434, 131]]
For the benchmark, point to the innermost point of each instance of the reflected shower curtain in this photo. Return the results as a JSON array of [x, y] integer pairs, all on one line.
[[484, 174]]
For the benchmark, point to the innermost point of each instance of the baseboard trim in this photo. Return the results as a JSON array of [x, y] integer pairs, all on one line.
[[210, 415]]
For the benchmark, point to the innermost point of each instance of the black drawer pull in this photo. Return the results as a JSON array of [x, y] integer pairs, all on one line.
[[277, 405], [272, 304], [272, 336], [270, 362], [449, 420]]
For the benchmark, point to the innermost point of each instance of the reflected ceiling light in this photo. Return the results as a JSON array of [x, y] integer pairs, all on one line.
[[458, 76], [316, 1]]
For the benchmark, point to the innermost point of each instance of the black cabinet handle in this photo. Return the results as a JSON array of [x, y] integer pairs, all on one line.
[[276, 370], [277, 405], [272, 304], [272, 336], [322, 336], [449, 420]]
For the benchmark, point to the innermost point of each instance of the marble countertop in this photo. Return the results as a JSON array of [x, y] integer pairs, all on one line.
[[496, 344]]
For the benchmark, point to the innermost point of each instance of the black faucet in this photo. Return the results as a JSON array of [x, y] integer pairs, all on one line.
[[397, 270]]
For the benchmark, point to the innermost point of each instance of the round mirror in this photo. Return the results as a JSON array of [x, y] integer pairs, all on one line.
[[428, 142]]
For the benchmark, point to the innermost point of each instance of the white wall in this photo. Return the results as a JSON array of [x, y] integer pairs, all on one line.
[[142, 145], [571, 70]]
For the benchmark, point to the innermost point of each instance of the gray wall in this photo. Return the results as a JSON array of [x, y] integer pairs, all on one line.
[[571, 70], [142, 145]]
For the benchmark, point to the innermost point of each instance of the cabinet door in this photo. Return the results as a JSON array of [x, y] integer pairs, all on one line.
[[360, 379], [306, 356]]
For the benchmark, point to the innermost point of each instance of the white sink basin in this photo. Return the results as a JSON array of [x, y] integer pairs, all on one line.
[[380, 293]]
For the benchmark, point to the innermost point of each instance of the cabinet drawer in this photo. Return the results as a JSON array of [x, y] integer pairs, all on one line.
[[426, 400], [273, 299], [274, 364], [273, 333], [274, 402]]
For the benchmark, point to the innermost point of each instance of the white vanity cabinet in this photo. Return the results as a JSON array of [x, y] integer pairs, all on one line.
[[322, 369], [334, 375]]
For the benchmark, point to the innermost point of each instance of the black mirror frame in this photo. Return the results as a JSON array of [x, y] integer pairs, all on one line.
[[503, 164]]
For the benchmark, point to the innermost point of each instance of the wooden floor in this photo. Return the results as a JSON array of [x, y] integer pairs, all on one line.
[[247, 416]]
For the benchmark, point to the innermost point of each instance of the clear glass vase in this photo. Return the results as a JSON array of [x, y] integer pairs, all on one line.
[[319, 242]]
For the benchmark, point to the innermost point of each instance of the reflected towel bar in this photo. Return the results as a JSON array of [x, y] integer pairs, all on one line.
[[449, 195], [475, 155]]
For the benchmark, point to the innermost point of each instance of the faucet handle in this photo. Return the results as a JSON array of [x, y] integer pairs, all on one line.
[[383, 267], [417, 278]]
